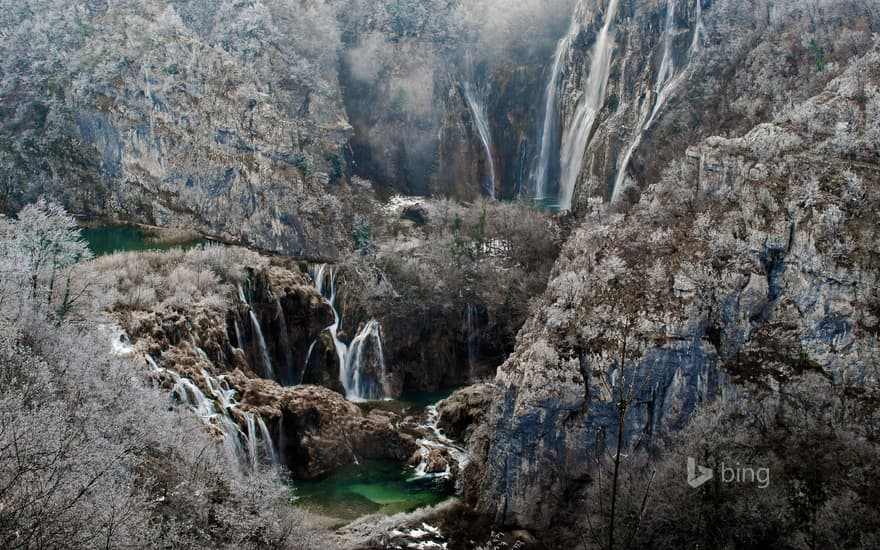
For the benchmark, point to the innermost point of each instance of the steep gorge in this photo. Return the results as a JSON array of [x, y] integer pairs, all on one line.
[[717, 162]]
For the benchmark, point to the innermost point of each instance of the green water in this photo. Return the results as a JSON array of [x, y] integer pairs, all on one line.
[[548, 204], [107, 239], [378, 486], [371, 487]]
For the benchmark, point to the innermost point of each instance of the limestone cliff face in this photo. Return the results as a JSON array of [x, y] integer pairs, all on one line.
[[684, 70], [749, 260], [208, 115]]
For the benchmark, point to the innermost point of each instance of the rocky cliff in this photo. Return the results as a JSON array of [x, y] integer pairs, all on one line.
[[748, 260], [206, 115], [682, 71]]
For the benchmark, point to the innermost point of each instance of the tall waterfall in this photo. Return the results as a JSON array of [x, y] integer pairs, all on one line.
[[216, 411], [481, 121], [360, 382], [577, 136], [698, 29], [547, 137], [667, 65], [664, 84]]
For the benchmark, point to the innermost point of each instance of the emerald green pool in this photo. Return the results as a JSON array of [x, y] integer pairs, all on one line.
[[371, 487], [377, 486], [107, 239]]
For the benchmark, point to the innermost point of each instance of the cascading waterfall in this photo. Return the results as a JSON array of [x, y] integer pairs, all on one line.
[[665, 82], [355, 379], [238, 336], [437, 440], [359, 383], [667, 65], [262, 348], [261, 345], [287, 373], [306, 363], [481, 121], [547, 137], [698, 29], [577, 136], [216, 412]]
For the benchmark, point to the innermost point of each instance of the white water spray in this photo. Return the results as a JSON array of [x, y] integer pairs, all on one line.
[[216, 411], [261, 344], [437, 440], [541, 172], [664, 84], [287, 374], [353, 360], [481, 121], [577, 136]]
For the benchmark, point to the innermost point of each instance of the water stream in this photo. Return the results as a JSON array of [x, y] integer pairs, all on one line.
[[665, 82], [548, 137], [248, 448], [362, 368], [577, 136]]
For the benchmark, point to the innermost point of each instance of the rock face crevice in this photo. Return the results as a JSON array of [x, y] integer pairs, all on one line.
[[749, 261]]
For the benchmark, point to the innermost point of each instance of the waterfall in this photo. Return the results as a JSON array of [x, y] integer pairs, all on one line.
[[216, 411], [353, 360], [261, 344], [698, 30], [238, 336], [306, 363], [354, 375], [577, 136], [667, 65], [621, 168], [439, 441], [241, 295], [267, 440], [481, 121], [547, 134], [287, 374], [251, 424], [664, 84]]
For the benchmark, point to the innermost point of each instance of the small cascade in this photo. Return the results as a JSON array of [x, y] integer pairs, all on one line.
[[267, 440], [251, 433], [354, 360], [437, 441], [548, 137], [241, 295], [261, 345], [306, 363], [238, 335], [577, 136], [287, 373], [481, 121], [217, 412]]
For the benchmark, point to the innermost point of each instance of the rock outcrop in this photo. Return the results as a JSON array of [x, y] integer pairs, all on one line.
[[319, 431]]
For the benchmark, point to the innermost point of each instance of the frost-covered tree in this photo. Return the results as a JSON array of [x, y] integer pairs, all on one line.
[[39, 250]]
